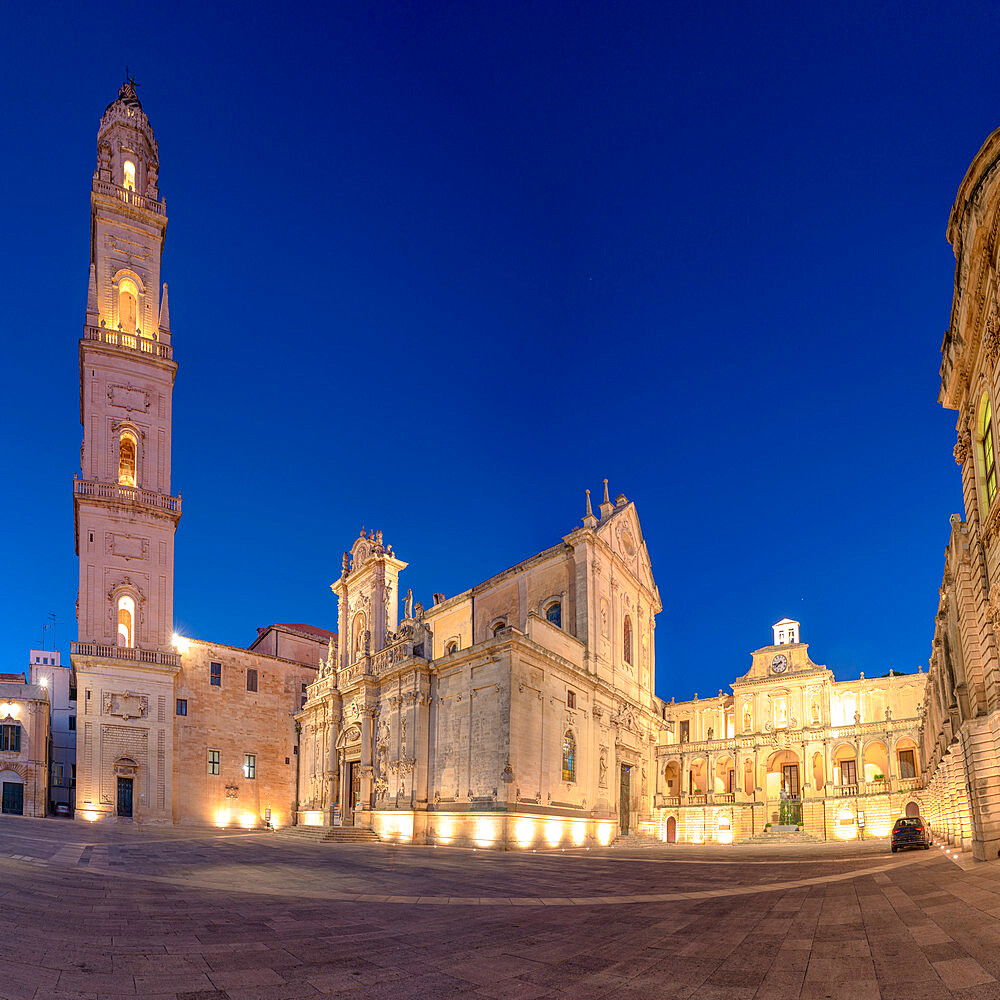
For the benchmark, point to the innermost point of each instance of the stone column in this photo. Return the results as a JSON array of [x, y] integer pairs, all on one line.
[[367, 735], [333, 727]]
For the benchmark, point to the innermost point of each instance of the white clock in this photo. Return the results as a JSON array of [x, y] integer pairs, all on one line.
[[779, 664]]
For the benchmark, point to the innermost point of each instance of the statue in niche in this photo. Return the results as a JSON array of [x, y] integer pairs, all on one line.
[[711, 734], [644, 785], [814, 711], [408, 603], [603, 768], [747, 720]]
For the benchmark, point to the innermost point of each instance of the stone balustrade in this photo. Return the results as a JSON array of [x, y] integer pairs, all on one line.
[[134, 342], [132, 198], [132, 653], [127, 494]]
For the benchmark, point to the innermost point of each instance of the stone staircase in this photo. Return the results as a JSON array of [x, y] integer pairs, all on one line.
[[330, 834], [781, 837], [636, 840]]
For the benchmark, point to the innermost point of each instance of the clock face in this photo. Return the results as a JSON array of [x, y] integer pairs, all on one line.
[[779, 664]]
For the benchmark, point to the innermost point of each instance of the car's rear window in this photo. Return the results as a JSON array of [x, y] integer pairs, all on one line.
[[909, 821]]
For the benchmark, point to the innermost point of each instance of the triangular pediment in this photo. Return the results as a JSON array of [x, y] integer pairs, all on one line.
[[622, 532]]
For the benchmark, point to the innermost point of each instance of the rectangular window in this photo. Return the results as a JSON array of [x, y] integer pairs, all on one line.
[[790, 779], [907, 765], [10, 738], [57, 774], [250, 765], [72, 776], [213, 761], [685, 731], [182, 706], [571, 699], [304, 698], [848, 772], [215, 675], [72, 723], [251, 679]]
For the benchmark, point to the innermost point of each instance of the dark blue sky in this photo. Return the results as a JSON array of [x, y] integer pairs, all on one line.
[[437, 268]]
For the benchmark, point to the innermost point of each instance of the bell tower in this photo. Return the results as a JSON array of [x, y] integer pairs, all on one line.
[[124, 512]]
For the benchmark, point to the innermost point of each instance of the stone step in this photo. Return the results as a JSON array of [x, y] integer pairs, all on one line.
[[636, 840], [781, 837], [328, 834]]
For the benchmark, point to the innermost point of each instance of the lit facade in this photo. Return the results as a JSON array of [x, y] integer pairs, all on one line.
[[961, 735], [46, 669], [517, 714], [790, 746], [24, 747]]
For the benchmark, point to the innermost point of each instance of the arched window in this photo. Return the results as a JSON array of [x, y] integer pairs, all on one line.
[[554, 614], [128, 178], [359, 635], [452, 647], [127, 459], [128, 296], [569, 756], [987, 453], [126, 622], [627, 641], [499, 627]]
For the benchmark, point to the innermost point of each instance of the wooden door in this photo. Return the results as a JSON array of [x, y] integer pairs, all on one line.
[[790, 780], [624, 799], [125, 797], [671, 830], [354, 783]]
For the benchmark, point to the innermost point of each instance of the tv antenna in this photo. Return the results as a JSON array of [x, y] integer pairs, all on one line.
[[51, 625]]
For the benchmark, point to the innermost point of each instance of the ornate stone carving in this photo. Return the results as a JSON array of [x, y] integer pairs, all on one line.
[[232, 791], [603, 768], [128, 705], [963, 448]]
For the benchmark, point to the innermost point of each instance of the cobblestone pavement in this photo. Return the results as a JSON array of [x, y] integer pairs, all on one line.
[[109, 912]]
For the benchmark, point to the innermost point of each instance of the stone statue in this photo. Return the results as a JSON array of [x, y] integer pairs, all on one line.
[[418, 610], [346, 564], [857, 718], [408, 603], [604, 768], [711, 733]]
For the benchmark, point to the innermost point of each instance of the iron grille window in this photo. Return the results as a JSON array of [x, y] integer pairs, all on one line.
[[251, 679], [250, 765], [215, 675], [214, 761], [10, 738]]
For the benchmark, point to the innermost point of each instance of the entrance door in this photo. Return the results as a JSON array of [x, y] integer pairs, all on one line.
[[671, 830], [790, 780], [13, 798], [125, 797], [624, 799], [911, 808], [354, 783]]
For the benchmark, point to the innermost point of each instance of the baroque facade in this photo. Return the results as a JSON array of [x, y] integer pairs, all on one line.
[[169, 730], [961, 736], [518, 713], [791, 746]]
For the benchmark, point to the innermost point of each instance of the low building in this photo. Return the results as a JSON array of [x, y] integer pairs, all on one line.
[[790, 746], [46, 669], [24, 746]]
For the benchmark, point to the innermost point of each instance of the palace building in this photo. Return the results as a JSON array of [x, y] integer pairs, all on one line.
[[791, 746], [961, 710]]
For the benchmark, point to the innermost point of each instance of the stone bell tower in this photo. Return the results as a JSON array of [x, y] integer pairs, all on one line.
[[125, 515]]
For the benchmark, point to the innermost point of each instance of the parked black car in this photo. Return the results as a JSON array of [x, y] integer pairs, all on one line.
[[911, 831]]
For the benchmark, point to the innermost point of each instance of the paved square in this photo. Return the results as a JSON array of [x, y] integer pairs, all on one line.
[[116, 911]]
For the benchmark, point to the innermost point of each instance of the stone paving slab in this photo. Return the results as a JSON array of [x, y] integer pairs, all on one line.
[[119, 912]]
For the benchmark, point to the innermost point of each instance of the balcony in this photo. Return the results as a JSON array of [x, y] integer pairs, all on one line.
[[116, 493], [131, 198], [132, 342], [133, 654]]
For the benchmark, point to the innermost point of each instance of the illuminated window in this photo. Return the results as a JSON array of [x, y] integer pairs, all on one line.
[[251, 679], [569, 757], [126, 621], [780, 712], [128, 296], [215, 674], [250, 766], [10, 738], [128, 170], [989, 469], [214, 761], [627, 641], [127, 459], [554, 614]]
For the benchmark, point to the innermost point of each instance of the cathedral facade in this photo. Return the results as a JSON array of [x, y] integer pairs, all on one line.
[[518, 713], [961, 711]]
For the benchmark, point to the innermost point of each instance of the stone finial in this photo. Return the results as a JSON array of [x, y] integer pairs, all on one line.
[[607, 507], [589, 521], [92, 298], [920, 668], [164, 311]]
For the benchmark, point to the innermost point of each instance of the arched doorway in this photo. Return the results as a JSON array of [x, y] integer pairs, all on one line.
[[912, 809], [671, 830]]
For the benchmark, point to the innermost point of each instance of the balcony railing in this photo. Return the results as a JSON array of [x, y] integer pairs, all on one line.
[[127, 494], [909, 784], [843, 791], [724, 798], [129, 341], [132, 198], [136, 655]]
